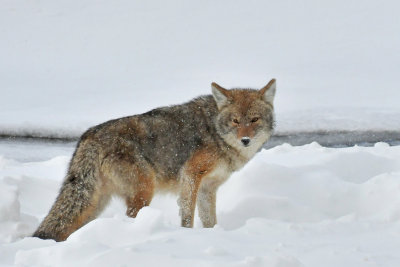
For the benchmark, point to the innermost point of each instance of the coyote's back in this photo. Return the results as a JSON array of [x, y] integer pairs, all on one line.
[[189, 149]]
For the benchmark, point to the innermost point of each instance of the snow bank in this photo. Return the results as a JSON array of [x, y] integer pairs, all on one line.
[[290, 206], [33, 184], [12, 224], [312, 183], [9, 209]]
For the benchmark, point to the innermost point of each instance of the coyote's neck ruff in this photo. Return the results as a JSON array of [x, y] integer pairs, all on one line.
[[190, 149]]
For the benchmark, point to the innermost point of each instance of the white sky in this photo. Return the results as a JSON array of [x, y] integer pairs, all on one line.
[[68, 65]]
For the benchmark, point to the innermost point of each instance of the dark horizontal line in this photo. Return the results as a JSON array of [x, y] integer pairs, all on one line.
[[336, 138], [324, 138], [46, 139]]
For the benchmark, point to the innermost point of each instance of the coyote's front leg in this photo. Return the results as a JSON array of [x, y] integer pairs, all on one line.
[[206, 203], [187, 199], [196, 168]]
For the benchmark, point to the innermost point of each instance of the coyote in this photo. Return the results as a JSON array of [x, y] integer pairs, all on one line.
[[188, 149]]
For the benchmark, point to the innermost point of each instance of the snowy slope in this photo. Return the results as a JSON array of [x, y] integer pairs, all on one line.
[[66, 65], [289, 207]]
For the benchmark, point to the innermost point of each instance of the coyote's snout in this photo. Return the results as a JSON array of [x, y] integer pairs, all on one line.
[[189, 149]]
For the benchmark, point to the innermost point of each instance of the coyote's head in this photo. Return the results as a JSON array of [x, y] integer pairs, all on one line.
[[246, 116]]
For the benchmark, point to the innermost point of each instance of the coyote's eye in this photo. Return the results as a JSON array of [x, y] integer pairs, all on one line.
[[254, 119], [235, 121]]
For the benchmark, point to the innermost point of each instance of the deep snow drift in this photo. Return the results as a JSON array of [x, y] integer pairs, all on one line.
[[290, 207]]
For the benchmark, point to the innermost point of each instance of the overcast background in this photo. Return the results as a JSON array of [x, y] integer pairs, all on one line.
[[66, 65]]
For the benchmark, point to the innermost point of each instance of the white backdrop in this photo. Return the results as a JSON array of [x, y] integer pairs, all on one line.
[[66, 65]]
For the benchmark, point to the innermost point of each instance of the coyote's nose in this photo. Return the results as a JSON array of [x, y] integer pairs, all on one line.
[[245, 140]]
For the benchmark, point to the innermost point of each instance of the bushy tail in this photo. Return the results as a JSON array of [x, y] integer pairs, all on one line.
[[78, 202], [73, 208]]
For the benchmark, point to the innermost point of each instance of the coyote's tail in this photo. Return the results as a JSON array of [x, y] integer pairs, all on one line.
[[78, 202]]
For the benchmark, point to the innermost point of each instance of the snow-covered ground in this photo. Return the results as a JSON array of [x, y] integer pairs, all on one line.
[[289, 207]]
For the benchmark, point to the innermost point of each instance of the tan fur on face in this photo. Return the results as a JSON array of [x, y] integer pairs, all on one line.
[[243, 104], [245, 130]]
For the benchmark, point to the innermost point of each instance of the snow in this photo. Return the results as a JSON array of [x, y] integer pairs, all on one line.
[[66, 66], [290, 206]]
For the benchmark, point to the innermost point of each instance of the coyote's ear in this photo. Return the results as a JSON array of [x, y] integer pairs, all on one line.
[[268, 91], [220, 94]]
